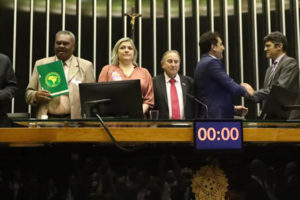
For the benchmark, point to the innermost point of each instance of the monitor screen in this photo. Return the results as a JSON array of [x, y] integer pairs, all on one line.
[[118, 99], [277, 102]]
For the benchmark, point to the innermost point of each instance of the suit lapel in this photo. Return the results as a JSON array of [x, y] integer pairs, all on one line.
[[279, 65], [162, 85], [184, 89], [49, 60], [74, 67], [267, 76]]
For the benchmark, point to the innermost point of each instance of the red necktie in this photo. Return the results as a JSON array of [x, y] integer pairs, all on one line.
[[174, 100]]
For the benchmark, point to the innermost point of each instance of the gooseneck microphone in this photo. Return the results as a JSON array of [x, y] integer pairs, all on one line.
[[87, 105], [95, 113], [199, 102]]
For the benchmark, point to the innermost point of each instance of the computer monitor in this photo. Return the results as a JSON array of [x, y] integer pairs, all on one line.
[[117, 99], [279, 103]]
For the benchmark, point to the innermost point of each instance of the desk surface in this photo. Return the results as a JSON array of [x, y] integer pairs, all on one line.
[[141, 132]]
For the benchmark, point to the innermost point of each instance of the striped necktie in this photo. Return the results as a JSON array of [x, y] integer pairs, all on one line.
[[272, 73]]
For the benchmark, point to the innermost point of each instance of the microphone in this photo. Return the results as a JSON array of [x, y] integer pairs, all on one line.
[[199, 102], [95, 112], [87, 105]]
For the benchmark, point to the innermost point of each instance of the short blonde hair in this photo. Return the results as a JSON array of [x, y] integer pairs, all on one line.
[[166, 53], [115, 56]]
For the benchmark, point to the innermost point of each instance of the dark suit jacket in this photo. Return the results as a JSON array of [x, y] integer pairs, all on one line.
[[215, 88], [8, 83], [8, 88], [286, 76], [161, 98]]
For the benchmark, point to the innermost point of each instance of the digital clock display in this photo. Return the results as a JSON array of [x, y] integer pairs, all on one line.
[[214, 135]]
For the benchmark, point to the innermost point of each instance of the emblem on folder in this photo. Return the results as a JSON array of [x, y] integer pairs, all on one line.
[[52, 79]]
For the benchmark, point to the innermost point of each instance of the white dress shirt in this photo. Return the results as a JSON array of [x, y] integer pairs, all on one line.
[[179, 93]]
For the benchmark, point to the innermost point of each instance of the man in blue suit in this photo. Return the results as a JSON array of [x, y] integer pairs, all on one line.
[[212, 85]]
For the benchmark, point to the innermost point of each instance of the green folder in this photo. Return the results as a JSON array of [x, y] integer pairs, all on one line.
[[52, 78]]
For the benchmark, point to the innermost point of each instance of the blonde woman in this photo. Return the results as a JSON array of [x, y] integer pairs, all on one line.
[[124, 67]]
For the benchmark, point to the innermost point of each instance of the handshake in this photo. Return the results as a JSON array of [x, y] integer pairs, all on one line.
[[249, 90], [242, 110]]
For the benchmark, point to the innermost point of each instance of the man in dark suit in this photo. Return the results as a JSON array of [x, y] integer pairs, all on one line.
[[212, 85], [8, 87], [284, 70], [170, 62]]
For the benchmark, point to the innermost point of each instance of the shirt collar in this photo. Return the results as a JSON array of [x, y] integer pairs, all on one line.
[[167, 78], [213, 56], [278, 59], [67, 62]]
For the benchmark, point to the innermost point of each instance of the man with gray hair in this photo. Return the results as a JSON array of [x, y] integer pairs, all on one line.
[[77, 70], [171, 89]]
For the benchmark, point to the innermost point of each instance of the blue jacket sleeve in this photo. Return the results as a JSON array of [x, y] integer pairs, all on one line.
[[219, 75]]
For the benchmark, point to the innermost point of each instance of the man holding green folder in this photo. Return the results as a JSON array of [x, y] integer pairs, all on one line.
[[76, 70]]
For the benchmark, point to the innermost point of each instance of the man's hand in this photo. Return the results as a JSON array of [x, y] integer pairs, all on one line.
[[240, 110], [249, 89], [42, 96]]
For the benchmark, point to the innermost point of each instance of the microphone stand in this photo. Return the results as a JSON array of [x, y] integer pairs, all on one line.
[[201, 103], [112, 137], [95, 112], [88, 103]]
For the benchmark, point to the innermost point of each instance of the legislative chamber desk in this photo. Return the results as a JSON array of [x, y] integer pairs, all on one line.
[[85, 131]]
